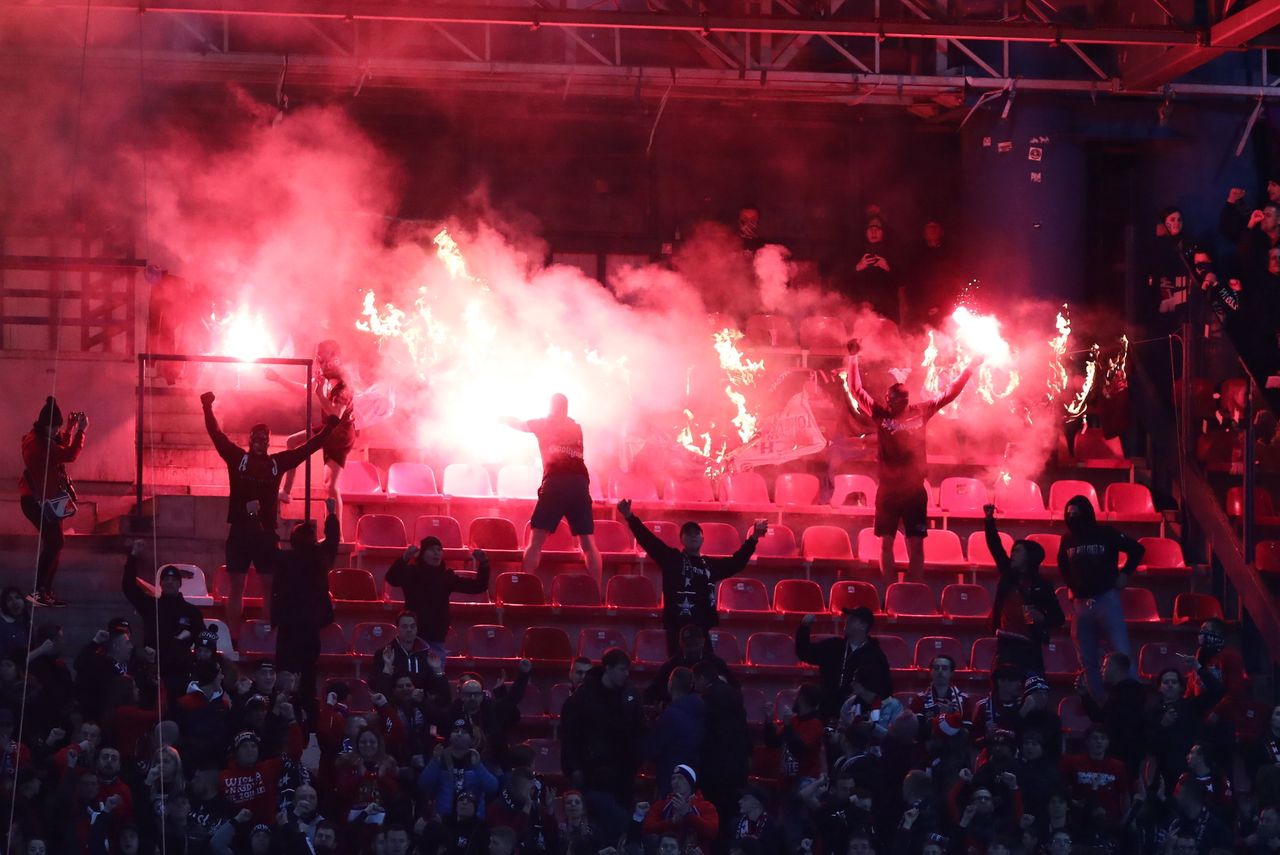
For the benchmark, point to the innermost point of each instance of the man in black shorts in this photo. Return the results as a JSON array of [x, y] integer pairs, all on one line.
[[900, 495], [254, 477], [565, 492]]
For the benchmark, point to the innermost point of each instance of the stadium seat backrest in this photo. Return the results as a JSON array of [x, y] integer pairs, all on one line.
[[978, 553], [1263, 506], [632, 591], [1092, 445], [943, 547], [225, 647], [822, 332], [443, 527], [411, 479], [753, 700], [1019, 495], [691, 489], [467, 480], [195, 587], [1122, 498], [743, 594], [983, 656], [1161, 552], [613, 537], [778, 542], [958, 494], [1189, 607], [594, 641], [633, 485], [726, 646], [826, 542], [771, 648], [858, 491], [333, 642], [369, 638], [910, 599], [850, 594], [931, 646], [380, 530], [560, 540], [798, 596], [519, 481], [350, 584], [1154, 657], [1061, 492], [359, 476], [1075, 721], [1050, 543], [895, 650], [796, 488], [490, 641], [546, 756], [492, 533], [770, 331], [720, 539], [740, 488], [533, 704], [667, 532], [360, 697], [1139, 605], [1266, 555], [257, 638], [1060, 657], [966, 601], [575, 589], [559, 693], [546, 644], [518, 589], [650, 646]]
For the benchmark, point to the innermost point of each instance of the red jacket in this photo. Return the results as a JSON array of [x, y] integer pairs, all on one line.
[[701, 821], [35, 452]]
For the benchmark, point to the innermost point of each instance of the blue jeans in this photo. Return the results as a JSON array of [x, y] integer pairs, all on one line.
[[1103, 614]]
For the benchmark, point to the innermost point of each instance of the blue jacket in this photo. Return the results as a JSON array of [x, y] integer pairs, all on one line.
[[436, 782], [677, 738]]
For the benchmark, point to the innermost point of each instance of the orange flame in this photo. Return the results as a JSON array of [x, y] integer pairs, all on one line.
[[243, 334]]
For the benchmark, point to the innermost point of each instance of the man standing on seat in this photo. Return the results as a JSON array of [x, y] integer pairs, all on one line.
[[1089, 557], [254, 477], [427, 585], [44, 490], [689, 578], [900, 496], [565, 492]]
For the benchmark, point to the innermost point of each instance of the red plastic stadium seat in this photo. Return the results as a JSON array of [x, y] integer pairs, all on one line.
[[1061, 492], [753, 701], [632, 591], [725, 644], [333, 642], [778, 542], [966, 601], [777, 649], [546, 757], [745, 488], [1050, 543], [1154, 658], [823, 332], [1161, 553], [910, 599], [257, 638], [1075, 721], [1063, 593], [1122, 498], [667, 532], [962, 495], [445, 528], [360, 698], [380, 530], [533, 704], [795, 488], [742, 594], [593, 641], [411, 480], [632, 485], [546, 644], [826, 543], [869, 546], [979, 555], [855, 491], [559, 693], [983, 656], [254, 588], [1266, 556], [770, 331], [348, 584], [1263, 506], [1019, 497], [560, 540], [491, 641], [519, 481], [1061, 657], [614, 538], [1195, 608], [518, 589], [852, 594], [493, 533], [360, 478], [368, 638], [1139, 605], [942, 549], [720, 539], [1092, 446], [466, 480], [798, 596], [895, 649], [681, 490], [575, 589], [931, 646], [650, 646]]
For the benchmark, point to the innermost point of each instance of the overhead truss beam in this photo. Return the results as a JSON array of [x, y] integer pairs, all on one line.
[[1233, 32]]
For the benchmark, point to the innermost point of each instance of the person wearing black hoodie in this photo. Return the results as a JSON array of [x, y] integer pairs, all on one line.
[[1025, 608], [852, 665], [170, 625], [427, 585], [1089, 558]]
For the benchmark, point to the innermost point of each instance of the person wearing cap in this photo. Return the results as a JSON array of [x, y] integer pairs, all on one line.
[[203, 716], [685, 813], [1025, 609], [428, 584], [1038, 714], [254, 476], [693, 649], [251, 783], [850, 666], [1000, 709], [46, 451], [456, 769], [170, 625]]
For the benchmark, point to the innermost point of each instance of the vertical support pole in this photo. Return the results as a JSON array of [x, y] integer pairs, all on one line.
[[1250, 481], [142, 363], [307, 432]]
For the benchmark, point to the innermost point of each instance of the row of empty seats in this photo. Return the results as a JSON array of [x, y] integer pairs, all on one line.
[[955, 495]]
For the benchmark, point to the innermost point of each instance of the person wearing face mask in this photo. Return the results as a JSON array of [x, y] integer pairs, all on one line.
[[749, 229], [1089, 558], [427, 584], [900, 431], [254, 477]]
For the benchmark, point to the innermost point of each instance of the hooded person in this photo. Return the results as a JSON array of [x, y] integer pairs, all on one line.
[[45, 493], [1089, 558], [1025, 609], [427, 584]]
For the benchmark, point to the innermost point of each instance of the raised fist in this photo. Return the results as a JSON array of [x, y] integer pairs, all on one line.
[[624, 508], [989, 511], [760, 528], [525, 666], [1235, 194], [809, 620], [853, 346], [207, 399]]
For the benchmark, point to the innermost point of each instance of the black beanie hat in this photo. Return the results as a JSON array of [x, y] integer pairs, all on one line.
[[49, 414]]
